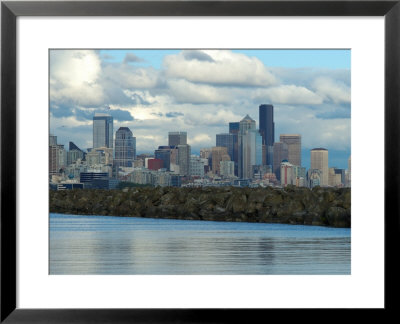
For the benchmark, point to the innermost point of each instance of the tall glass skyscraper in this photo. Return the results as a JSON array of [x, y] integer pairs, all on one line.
[[102, 131], [246, 124], [125, 148], [267, 131]]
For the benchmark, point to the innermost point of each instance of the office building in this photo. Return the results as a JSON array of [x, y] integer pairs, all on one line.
[[177, 138], [287, 174], [234, 130], [293, 142], [267, 131], [227, 169], [183, 159], [125, 148], [251, 152], [164, 153], [102, 131], [246, 124], [280, 154], [319, 161], [218, 154], [196, 168], [226, 140], [154, 164]]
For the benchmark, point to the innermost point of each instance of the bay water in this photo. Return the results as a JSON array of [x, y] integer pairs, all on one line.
[[105, 245]]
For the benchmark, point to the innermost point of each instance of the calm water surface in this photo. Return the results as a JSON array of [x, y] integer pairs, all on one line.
[[121, 245]]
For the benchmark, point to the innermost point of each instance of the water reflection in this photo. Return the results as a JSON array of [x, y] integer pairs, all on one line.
[[112, 245]]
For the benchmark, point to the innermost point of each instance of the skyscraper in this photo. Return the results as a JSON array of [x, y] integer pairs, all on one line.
[[226, 140], [293, 141], [102, 130], [125, 148], [247, 123], [234, 130], [251, 152], [319, 161], [177, 138], [183, 159], [267, 131], [280, 154], [218, 154]]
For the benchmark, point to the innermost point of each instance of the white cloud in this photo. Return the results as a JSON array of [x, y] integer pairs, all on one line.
[[333, 90], [222, 68], [187, 92], [74, 76], [287, 94]]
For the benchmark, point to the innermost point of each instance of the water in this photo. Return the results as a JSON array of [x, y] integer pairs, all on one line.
[[121, 245]]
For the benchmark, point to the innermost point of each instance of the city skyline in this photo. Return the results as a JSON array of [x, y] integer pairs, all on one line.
[[178, 94]]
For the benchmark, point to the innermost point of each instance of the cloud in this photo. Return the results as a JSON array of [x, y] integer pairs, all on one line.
[[74, 76], [130, 77], [221, 67], [197, 55], [287, 94], [186, 92], [173, 114], [132, 58], [332, 90]]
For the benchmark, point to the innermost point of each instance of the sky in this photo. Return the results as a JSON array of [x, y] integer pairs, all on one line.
[[200, 91]]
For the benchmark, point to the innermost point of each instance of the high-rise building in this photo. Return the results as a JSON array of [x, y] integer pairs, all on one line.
[[280, 154], [227, 169], [125, 148], [218, 154], [293, 141], [226, 140], [267, 131], [251, 152], [102, 130], [319, 161], [57, 156], [177, 138], [246, 124], [234, 130], [164, 153], [183, 159]]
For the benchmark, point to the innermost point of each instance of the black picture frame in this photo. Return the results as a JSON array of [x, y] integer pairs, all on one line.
[[10, 10]]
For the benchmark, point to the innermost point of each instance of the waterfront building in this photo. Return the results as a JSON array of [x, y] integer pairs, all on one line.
[[293, 142], [177, 138], [102, 130], [246, 124], [218, 154], [74, 169], [267, 131], [319, 161], [280, 154]]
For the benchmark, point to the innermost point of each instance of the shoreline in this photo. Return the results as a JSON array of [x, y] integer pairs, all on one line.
[[291, 205]]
